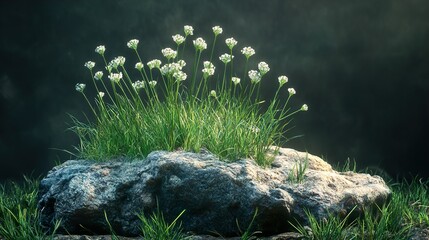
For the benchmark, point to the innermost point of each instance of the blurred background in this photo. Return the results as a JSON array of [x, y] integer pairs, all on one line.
[[361, 66]]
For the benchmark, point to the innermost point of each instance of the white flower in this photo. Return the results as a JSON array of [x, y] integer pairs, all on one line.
[[254, 76], [154, 64], [208, 64], [208, 70], [254, 129], [139, 66], [235, 80], [182, 63], [263, 68], [230, 42], [217, 30], [213, 93], [101, 94], [282, 80], [100, 49], [180, 76], [169, 53], [80, 87], [291, 91], [98, 75], [152, 83], [247, 51], [226, 58], [178, 39], [200, 44], [133, 44], [119, 61], [115, 77], [189, 30], [304, 107], [138, 85], [170, 68], [90, 65]]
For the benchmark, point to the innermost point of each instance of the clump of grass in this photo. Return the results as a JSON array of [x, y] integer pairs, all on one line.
[[169, 109], [19, 216], [155, 226], [297, 173]]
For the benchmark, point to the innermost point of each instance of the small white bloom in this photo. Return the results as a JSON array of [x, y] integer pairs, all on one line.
[[282, 80], [98, 75], [263, 68], [248, 51], [180, 76], [170, 68], [226, 58], [119, 61], [200, 44], [235, 80], [208, 64], [182, 63], [100, 49], [80, 87], [115, 77], [178, 39], [169, 53], [152, 83], [154, 64], [133, 44], [291, 91], [217, 30], [101, 94], [189, 30], [90, 65], [138, 85], [254, 129], [139, 66], [254, 76], [208, 72], [230, 42], [304, 107], [213, 93]]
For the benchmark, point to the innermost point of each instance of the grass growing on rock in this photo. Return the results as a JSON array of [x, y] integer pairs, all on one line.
[[184, 104]]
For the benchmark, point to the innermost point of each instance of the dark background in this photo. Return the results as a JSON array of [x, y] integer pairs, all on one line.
[[361, 66]]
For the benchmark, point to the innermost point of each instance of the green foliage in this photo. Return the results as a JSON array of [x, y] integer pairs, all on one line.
[[155, 227], [248, 234], [19, 216], [297, 173], [221, 113]]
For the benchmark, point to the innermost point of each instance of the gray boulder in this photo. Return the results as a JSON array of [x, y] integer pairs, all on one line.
[[215, 194]]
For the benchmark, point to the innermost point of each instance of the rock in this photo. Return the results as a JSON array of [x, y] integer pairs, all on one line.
[[215, 194]]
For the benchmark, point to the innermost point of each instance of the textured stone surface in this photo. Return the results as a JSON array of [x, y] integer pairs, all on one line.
[[215, 194]]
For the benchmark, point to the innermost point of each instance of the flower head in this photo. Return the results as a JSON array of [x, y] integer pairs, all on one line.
[[115, 77], [263, 68], [208, 70], [98, 75], [100, 49], [170, 68], [169, 53], [181, 62], [213, 93], [282, 80], [178, 39], [217, 30], [189, 30], [226, 58], [152, 83], [80, 87], [235, 80], [137, 85], [154, 64], [119, 61], [90, 65], [101, 94], [208, 64], [304, 107], [139, 66], [230, 42], [200, 44], [248, 51], [291, 91], [133, 44], [255, 76], [180, 76]]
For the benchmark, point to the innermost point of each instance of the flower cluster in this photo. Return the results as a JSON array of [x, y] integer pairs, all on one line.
[[217, 30], [90, 65], [169, 53], [180, 76], [200, 44], [154, 64], [98, 75], [152, 83], [235, 80], [80, 87], [248, 52], [178, 39], [101, 94], [189, 30], [291, 91], [100, 49], [231, 42], [263, 68], [282, 80], [133, 44], [208, 70], [115, 77], [170, 68], [137, 85], [255, 76], [139, 66], [115, 63], [226, 58]]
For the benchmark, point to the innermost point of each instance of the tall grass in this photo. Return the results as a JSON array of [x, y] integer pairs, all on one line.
[[165, 111]]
